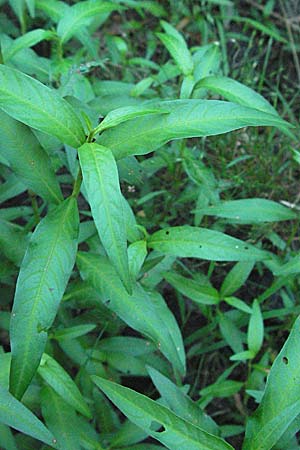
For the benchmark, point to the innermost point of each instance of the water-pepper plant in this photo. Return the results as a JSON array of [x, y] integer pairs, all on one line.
[[89, 242]]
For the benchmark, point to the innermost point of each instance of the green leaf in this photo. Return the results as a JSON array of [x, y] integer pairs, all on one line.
[[13, 241], [62, 384], [7, 440], [222, 389], [16, 415], [238, 304], [81, 15], [256, 329], [187, 118], [237, 93], [61, 419], [176, 45], [137, 252], [42, 280], [38, 106], [101, 181], [180, 403], [250, 210], [72, 332], [143, 311], [124, 114], [281, 401], [236, 277], [291, 267], [27, 40], [205, 295], [192, 242], [176, 433], [231, 333], [28, 159]]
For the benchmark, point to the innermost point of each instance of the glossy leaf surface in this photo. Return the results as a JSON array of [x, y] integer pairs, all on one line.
[[193, 242], [36, 105]]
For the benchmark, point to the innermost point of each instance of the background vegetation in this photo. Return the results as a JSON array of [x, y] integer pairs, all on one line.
[[224, 311]]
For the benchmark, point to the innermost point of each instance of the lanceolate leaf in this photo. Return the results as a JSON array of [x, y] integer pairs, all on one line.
[[101, 181], [176, 433], [80, 15], [250, 210], [142, 311], [16, 415], [61, 420], [187, 118], [193, 242], [43, 277], [62, 384], [237, 92], [27, 40], [28, 159], [281, 401], [38, 106]]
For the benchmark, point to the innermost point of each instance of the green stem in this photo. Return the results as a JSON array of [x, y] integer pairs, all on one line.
[[34, 206], [77, 185]]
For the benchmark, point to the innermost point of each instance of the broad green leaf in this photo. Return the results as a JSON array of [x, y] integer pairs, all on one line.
[[181, 404], [236, 277], [62, 384], [72, 332], [237, 93], [187, 118], [11, 187], [281, 401], [42, 280], [205, 295], [192, 242], [207, 61], [61, 420], [143, 311], [54, 9], [81, 15], [16, 415], [101, 181], [250, 210], [36, 105], [28, 159], [13, 241], [176, 433], [256, 329], [176, 45], [291, 267], [27, 40], [31, 7], [222, 389], [124, 114]]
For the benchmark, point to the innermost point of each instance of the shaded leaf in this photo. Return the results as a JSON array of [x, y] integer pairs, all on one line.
[[43, 277], [176, 433]]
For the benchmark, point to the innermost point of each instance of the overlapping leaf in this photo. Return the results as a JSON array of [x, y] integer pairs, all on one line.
[[43, 276], [101, 181], [145, 312], [187, 118], [38, 106], [176, 433], [28, 159]]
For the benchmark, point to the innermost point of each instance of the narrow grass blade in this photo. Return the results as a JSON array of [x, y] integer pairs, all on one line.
[[101, 181], [36, 105], [42, 280]]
